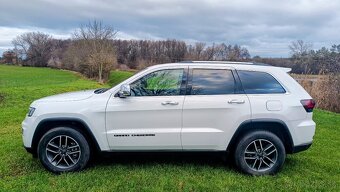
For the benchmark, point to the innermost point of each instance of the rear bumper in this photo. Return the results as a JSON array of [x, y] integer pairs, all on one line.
[[304, 132], [302, 147]]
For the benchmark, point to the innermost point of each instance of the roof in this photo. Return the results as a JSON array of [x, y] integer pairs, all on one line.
[[219, 62], [233, 64], [225, 62]]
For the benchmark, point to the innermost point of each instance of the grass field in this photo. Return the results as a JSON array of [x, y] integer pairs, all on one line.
[[119, 76], [317, 169]]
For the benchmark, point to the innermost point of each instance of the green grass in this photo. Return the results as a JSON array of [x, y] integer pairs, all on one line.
[[317, 169], [118, 76]]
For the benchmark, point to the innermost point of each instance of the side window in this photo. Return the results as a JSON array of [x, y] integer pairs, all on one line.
[[158, 83], [212, 82], [255, 82]]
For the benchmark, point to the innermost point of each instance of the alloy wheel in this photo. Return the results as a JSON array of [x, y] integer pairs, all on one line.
[[63, 151], [260, 155]]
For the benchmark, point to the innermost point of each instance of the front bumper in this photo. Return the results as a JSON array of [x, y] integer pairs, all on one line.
[[28, 127]]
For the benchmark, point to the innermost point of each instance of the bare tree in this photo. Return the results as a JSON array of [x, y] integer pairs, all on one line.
[[300, 48], [301, 55], [21, 46], [210, 52], [95, 50], [34, 48], [199, 48], [58, 53]]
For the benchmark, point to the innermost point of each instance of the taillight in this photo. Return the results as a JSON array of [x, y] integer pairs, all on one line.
[[308, 104]]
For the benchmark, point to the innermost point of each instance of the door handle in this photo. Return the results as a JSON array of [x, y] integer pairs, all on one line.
[[169, 103], [235, 101]]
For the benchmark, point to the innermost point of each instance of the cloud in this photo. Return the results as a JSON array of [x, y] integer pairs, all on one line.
[[264, 27], [7, 34]]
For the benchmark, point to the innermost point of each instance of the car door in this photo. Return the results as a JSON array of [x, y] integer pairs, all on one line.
[[151, 118], [214, 107]]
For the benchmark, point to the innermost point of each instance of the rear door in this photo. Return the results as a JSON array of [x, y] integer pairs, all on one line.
[[213, 109]]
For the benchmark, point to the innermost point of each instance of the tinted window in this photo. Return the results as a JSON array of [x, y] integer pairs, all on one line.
[[254, 82], [212, 82], [158, 83]]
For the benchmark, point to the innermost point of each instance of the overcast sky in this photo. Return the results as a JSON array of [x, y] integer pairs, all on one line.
[[265, 27]]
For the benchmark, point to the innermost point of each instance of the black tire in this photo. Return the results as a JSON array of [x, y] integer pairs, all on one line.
[[255, 161], [74, 155]]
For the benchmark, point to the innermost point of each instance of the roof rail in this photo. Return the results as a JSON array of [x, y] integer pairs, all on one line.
[[227, 62]]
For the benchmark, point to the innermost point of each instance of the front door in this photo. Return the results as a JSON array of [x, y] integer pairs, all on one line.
[[151, 118]]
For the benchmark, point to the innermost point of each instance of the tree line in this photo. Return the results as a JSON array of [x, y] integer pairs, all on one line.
[[305, 60], [94, 51]]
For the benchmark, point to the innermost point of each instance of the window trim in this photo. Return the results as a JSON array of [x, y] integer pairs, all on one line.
[[182, 88], [237, 89], [283, 87]]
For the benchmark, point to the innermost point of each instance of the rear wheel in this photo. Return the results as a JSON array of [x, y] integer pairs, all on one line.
[[260, 153], [63, 150]]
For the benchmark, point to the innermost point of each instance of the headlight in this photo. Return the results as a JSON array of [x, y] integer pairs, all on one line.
[[30, 111]]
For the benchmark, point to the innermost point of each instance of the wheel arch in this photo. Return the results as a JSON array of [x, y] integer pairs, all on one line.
[[275, 126], [74, 123]]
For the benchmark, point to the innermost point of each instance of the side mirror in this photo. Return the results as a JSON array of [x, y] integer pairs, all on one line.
[[124, 91]]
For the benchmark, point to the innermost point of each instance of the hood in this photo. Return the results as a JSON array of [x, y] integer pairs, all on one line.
[[71, 96]]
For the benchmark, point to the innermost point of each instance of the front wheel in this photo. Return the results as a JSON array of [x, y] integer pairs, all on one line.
[[260, 153], [63, 150]]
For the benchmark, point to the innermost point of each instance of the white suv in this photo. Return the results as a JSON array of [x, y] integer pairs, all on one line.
[[255, 112]]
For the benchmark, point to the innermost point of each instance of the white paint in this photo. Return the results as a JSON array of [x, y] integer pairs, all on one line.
[[205, 122]]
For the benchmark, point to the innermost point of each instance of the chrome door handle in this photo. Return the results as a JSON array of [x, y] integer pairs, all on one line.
[[235, 101], [169, 103]]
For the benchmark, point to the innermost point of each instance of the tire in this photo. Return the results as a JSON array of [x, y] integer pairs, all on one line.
[[63, 149], [266, 158]]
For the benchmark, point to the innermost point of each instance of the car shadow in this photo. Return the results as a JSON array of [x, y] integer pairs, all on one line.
[[218, 160], [213, 159]]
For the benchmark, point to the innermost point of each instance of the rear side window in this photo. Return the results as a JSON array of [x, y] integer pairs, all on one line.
[[255, 82], [212, 82]]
